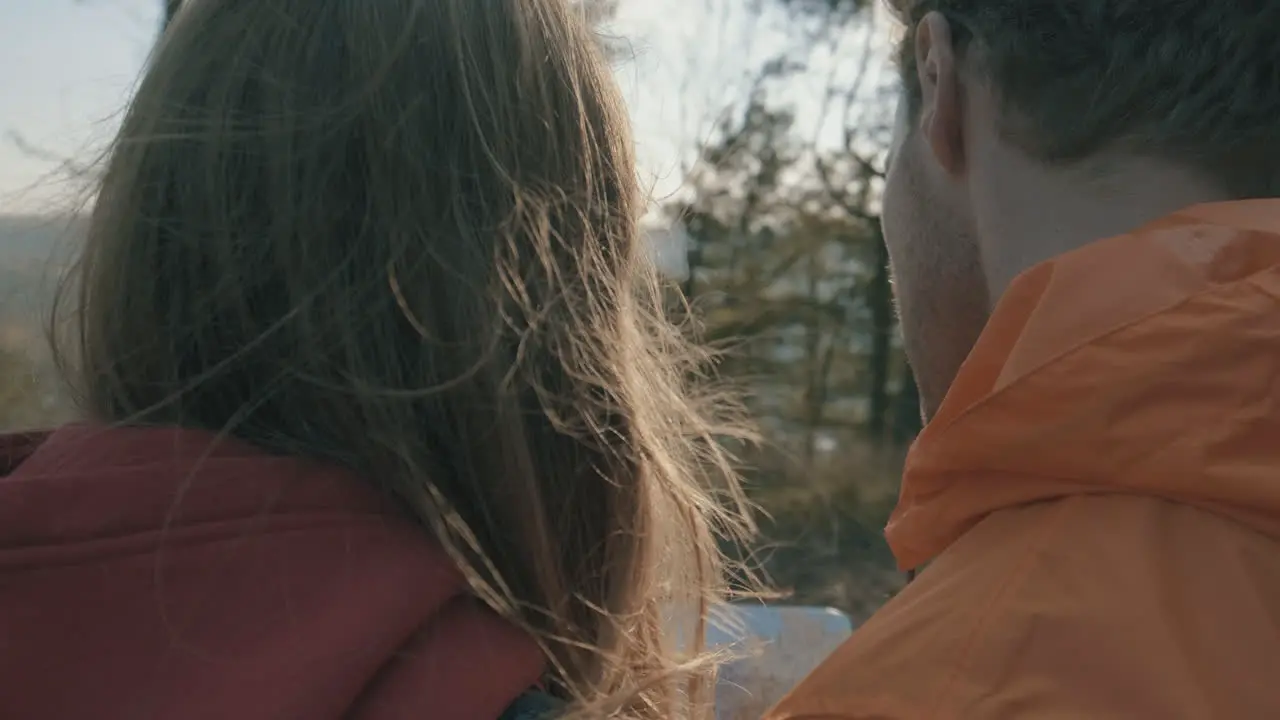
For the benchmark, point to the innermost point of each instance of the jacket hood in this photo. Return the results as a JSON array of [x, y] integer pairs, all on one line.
[[1147, 363], [163, 573]]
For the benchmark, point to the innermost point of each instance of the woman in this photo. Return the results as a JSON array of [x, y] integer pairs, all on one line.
[[386, 421]]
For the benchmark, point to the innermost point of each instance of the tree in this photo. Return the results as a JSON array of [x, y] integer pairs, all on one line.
[[777, 270], [789, 272], [785, 235], [852, 175]]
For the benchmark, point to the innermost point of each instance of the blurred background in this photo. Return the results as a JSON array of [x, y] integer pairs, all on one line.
[[761, 126]]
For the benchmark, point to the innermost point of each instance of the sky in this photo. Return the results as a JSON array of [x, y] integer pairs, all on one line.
[[67, 68]]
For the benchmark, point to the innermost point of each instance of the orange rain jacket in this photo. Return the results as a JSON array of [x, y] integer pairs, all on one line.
[[1099, 496]]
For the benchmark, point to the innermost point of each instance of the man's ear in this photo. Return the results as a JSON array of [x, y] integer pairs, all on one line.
[[941, 107]]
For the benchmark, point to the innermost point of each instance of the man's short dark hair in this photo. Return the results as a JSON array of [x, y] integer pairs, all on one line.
[[1193, 81]]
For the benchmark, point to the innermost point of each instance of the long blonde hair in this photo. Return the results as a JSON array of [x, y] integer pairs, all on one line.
[[402, 236]]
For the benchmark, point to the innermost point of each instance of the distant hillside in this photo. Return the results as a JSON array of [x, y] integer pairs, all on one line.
[[33, 241], [32, 251]]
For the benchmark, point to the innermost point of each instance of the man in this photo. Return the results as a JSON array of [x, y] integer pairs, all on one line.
[[1091, 301]]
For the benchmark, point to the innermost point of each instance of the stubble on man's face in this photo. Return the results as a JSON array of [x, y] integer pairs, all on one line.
[[938, 277]]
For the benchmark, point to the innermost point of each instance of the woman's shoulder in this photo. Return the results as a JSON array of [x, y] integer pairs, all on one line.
[[533, 705]]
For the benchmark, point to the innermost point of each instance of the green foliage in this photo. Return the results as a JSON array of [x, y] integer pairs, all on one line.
[[789, 272], [795, 278]]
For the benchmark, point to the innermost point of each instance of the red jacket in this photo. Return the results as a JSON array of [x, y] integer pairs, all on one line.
[[160, 573]]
